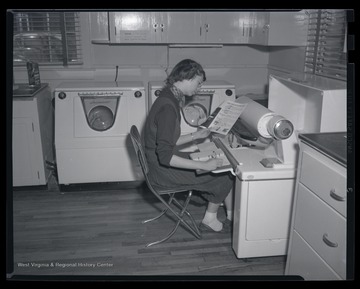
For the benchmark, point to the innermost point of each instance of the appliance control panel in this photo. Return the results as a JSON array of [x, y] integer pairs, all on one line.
[[100, 93]]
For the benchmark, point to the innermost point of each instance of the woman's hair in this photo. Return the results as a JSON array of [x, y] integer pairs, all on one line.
[[185, 69]]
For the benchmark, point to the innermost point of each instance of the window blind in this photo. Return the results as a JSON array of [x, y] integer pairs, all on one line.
[[47, 38], [326, 53]]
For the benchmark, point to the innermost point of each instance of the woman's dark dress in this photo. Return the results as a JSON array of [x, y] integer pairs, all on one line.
[[162, 130]]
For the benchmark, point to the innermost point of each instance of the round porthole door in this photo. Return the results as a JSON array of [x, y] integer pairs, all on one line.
[[100, 112], [197, 109], [101, 118], [195, 114]]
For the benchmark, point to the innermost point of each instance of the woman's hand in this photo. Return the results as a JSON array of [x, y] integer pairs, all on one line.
[[211, 164], [201, 133]]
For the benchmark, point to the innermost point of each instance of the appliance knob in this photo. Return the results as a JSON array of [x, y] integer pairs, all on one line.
[[138, 94], [228, 92], [62, 95], [157, 92]]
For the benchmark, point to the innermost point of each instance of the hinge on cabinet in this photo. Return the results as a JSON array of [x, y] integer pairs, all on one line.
[[32, 124], [38, 175]]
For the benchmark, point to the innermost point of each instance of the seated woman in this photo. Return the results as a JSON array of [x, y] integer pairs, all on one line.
[[171, 168]]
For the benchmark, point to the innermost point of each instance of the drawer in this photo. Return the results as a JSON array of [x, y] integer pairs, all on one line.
[[305, 262], [322, 228], [329, 183]]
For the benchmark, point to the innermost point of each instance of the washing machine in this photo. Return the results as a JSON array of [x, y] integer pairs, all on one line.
[[92, 125], [199, 106]]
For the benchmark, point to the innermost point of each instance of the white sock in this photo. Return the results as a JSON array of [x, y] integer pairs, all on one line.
[[229, 215], [211, 220]]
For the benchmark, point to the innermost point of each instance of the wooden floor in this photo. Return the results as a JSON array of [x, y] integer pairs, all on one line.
[[99, 232]]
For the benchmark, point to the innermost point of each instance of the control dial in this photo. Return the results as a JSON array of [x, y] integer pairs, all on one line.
[[157, 92], [62, 95], [138, 94]]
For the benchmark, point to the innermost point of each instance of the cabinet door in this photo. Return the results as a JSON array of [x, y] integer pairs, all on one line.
[[99, 27], [183, 27], [25, 171], [305, 262], [160, 27], [259, 24], [269, 209], [288, 28], [225, 27], [131, 27]]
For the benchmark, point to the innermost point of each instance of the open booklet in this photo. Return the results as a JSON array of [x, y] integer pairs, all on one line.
[[224, 117]]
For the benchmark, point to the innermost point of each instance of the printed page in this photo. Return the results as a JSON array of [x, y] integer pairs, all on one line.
[[227, 116]]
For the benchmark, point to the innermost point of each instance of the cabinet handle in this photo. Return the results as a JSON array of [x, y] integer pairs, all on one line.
[[207, 27], [328, 242], [335, 196]]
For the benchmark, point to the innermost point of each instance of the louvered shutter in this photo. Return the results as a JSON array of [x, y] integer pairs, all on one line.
[[47, 38], [326, 53]]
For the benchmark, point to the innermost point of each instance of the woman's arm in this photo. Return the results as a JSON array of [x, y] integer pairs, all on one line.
[[183, 163], [202, 133]]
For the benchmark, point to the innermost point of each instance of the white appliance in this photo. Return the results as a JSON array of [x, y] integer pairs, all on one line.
[[92, 125], [266, 174], [209, 97]]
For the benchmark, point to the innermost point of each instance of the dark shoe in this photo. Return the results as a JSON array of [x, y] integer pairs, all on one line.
[[228, 224], [207, 228]]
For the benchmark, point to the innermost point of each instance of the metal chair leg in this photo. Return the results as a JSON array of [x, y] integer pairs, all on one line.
[[167, 236], [161, 214], [189, 215], [155, 218], [195, 232]]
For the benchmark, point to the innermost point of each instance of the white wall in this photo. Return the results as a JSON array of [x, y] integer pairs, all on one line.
[[286, 59]]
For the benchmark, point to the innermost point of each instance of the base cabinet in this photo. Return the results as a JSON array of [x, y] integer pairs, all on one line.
[[317, 247], [32, 143]]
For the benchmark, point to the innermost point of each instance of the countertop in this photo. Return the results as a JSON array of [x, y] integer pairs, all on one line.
[[332, 143], [23, 90]]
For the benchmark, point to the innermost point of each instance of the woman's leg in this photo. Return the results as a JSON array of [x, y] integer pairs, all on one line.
[[229, 202], [210, 218]]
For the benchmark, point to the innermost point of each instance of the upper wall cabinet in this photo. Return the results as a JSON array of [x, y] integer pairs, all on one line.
[[261, 28], [225, 27], [205, 27], [132, 27], [183, 27], [99, 27], [154, 27], [279, 28], [178, 27]]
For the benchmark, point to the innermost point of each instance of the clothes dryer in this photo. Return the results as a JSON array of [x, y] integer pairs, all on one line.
[[200, 105], [92, 125]]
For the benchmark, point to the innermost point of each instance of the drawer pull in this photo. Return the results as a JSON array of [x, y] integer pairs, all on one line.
[[328, 242], [335, 196]]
